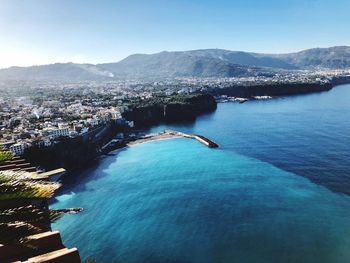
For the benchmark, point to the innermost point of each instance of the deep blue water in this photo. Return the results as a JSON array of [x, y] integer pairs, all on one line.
[[275, 191]]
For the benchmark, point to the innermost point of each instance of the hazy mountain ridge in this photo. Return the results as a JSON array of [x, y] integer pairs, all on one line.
[[174, 64], [57, 71], [243, 58], [194, 63], [332, 58]]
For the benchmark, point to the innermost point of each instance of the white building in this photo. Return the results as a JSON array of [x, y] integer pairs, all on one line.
[[92, 122], [58, 132], [18, 148]]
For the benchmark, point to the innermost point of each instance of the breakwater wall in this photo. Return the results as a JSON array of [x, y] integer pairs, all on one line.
[[207, 142]]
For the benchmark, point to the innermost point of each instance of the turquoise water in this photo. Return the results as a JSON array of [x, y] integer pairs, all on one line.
[[178, 201]]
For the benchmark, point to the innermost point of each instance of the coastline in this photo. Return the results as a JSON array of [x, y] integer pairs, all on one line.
[[74, 154]]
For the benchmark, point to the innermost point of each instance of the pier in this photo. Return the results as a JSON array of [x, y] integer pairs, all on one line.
[[166, 134], [207, 142]]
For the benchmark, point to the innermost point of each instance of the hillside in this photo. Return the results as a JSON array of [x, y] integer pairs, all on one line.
[[58, 71], [174, 64], [243, 58], [332, 58], [194, 63]]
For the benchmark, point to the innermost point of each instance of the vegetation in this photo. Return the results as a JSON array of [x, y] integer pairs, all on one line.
[[20, 216], [20, 185], [162, 100], [5, 156]]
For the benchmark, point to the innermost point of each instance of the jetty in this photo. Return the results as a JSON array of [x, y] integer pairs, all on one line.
[[166, 134], [207, 142]]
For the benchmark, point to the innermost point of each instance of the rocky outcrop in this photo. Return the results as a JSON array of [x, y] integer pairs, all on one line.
[[184, 108]]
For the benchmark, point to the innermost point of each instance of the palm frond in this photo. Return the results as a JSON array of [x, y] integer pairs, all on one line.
[[29, 214], [19, 216], [5, 155], [21, 185]]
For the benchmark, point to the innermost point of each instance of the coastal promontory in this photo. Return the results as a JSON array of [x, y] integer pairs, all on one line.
[[170, 109]]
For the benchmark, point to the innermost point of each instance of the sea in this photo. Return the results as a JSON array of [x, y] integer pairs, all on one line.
[[276, 190]]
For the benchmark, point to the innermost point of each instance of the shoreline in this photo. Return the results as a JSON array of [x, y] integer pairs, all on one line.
[[118, 144]]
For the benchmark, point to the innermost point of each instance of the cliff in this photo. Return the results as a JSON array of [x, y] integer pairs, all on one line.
[[70, 153], [173, 109], [272, 89], [341, 80]]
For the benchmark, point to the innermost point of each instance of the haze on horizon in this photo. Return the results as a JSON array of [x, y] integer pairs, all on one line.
[[35, 32]]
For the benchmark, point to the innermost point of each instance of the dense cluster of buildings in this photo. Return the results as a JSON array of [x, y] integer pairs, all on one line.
[[24, 123], [190, 85], [41, 112]]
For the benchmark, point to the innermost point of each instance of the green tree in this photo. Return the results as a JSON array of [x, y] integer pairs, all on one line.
[[21, 211]]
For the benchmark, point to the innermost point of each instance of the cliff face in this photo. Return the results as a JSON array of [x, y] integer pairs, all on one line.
[[272, 90], [69, 153], [341, 80], [202, 103], [181, 109], [178, 112], [145, 115], [190, 109]]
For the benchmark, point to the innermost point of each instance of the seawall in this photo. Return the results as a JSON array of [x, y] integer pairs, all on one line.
[[200, 138]]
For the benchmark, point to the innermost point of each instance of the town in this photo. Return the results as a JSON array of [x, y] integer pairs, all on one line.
[[40, 113]]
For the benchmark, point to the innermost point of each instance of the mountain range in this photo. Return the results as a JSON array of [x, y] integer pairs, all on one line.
[[194, 63]]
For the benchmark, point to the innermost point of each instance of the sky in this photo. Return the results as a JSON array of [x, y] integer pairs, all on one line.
[[34, 32]]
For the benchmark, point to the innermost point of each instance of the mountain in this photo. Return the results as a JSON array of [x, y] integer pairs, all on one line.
[[243, 58], [332, 58], [327, 58], [194, 63], [58, 71], [174, 64]]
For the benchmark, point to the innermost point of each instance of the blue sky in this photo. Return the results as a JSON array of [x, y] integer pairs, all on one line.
[[47, 31]]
